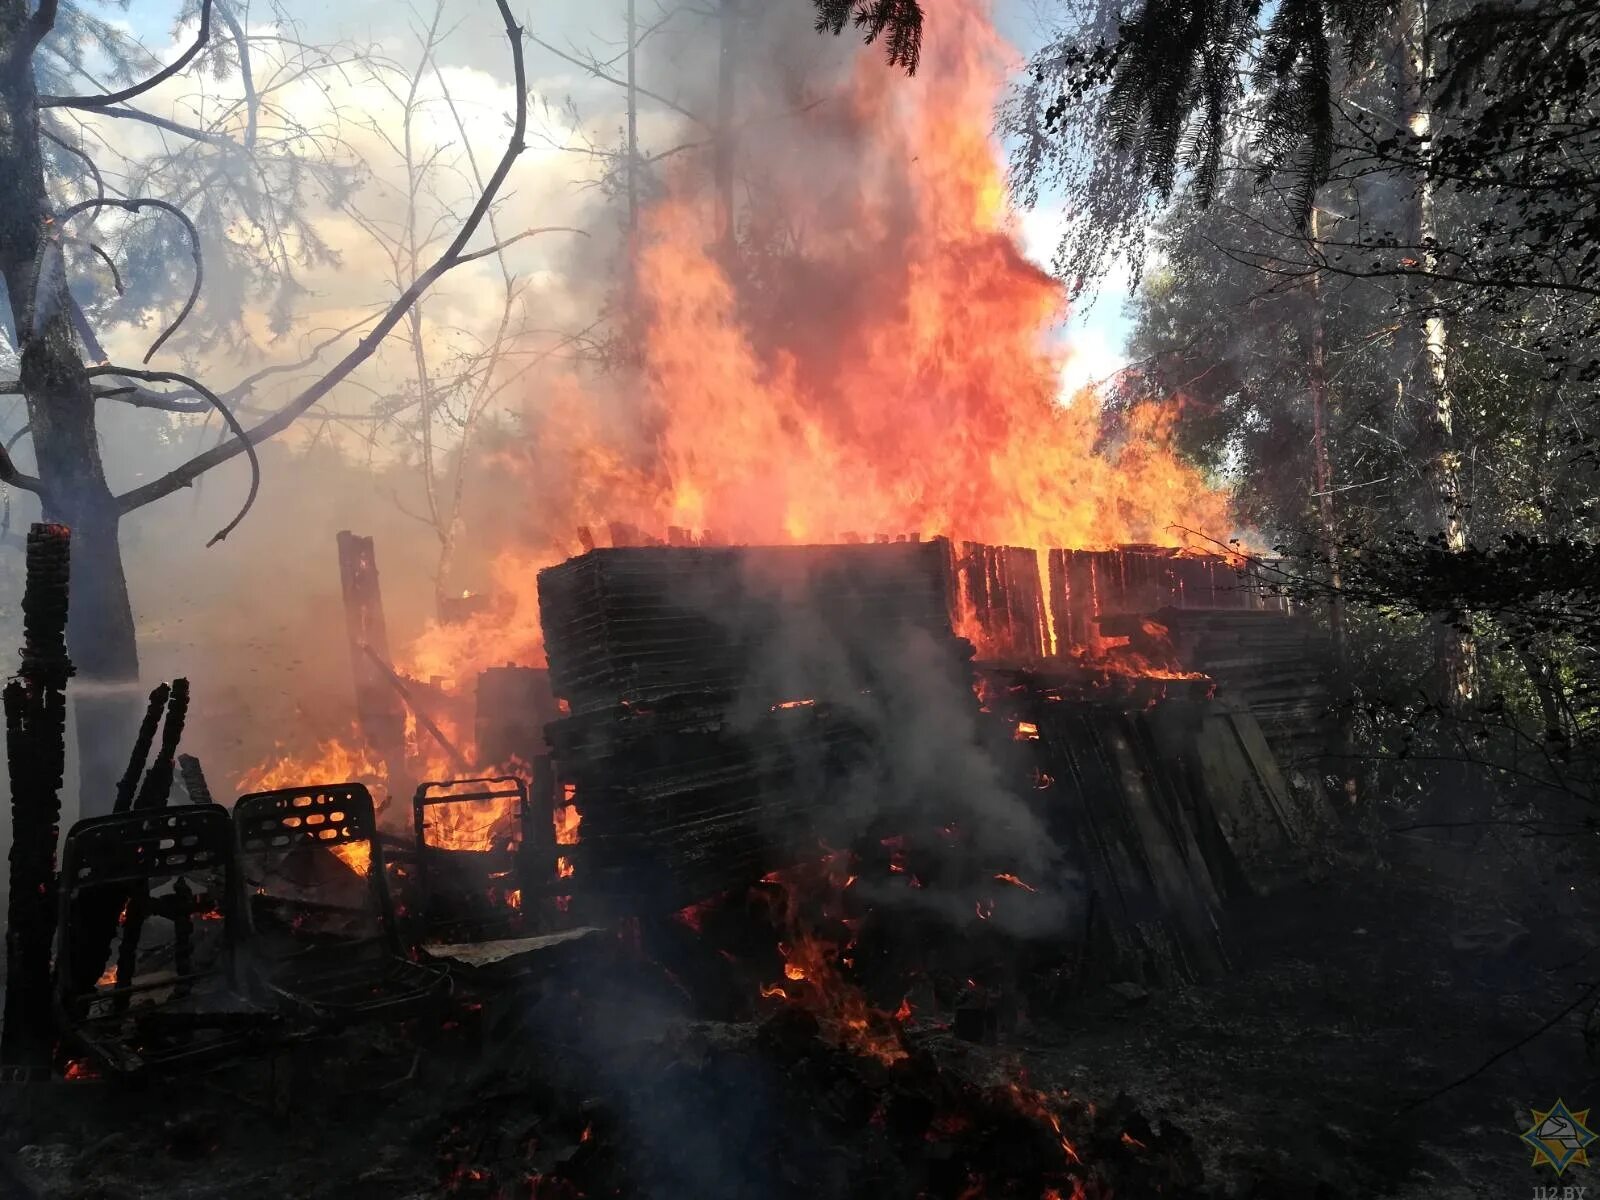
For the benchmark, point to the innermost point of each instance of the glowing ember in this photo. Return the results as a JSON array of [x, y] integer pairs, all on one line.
[[355, 855], [1034, 1105], [567, 820], [840, 1008], [1015, 882], [1026, 731]]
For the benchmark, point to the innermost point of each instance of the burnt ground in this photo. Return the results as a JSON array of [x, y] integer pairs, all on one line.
[[1358, 997], [1354, 997]]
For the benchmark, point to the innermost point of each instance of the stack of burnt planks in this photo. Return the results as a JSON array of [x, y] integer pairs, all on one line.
[[1020, 605], [715, 691], [1085, 585], [1167, 812], [1278, 666], [1195, 612]]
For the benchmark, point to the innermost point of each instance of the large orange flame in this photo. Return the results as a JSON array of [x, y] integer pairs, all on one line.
[[890, 369], [890, 365]]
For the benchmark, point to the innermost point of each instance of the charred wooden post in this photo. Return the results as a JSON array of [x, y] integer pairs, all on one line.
[[36, 719], [157, 787], [380, 712], [154, 793], [194, 779], [392, 677], [129, 784]]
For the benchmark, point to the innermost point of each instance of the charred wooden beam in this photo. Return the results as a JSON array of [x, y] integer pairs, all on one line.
[[155, 792], [36, 717], [392, 677], [378, 709], [129, 784]]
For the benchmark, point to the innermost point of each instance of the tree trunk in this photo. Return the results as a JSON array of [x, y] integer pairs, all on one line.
[[1423, 384], [61, 420], [1322, 470]]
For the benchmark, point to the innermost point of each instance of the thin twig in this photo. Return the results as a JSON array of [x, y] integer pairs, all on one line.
[[1511, 1049], [526, 233], [82, 156]]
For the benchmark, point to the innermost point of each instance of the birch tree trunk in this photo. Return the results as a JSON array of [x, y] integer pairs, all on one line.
[[1423, 386]]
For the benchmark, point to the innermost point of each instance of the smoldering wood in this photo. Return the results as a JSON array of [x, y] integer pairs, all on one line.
[[475, 891], [685, 802], [694, 774], [512, 707], [98, 912], [180, 1005], [154, 793], [35, 712], [194, 779], [157, 787], [1278, 665], [1168, 811]]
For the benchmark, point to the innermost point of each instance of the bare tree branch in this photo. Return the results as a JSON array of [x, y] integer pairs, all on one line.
[[134, 206], [451, 257], [202, 35], [216, 402], [138, 397], [10, 474], [82, 156], [192, 132]]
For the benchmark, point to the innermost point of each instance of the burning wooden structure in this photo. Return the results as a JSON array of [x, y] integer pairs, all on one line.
[[722, 699]]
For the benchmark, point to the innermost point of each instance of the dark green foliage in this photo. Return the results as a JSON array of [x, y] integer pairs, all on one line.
[[897, 22]]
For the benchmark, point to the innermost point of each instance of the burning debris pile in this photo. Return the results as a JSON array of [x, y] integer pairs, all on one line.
[[779, 793]]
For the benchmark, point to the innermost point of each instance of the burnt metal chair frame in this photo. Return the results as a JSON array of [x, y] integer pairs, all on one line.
[[429, 857], [127, 848], [398, 986]]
